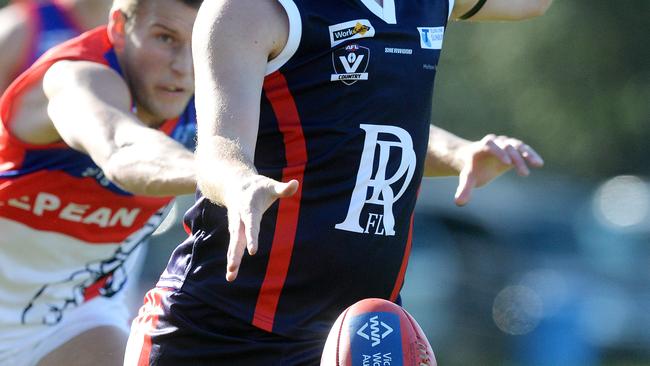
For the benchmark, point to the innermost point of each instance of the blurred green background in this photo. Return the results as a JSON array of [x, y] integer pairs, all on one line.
[[575, 83]]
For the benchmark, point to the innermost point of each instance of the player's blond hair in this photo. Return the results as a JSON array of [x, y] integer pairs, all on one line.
[[130, 7]]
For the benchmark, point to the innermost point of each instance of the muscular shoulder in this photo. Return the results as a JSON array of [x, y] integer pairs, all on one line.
[[68, 86], [84, 77], [257, 21]]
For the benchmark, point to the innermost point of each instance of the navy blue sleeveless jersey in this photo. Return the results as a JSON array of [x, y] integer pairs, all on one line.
[[345, 110]]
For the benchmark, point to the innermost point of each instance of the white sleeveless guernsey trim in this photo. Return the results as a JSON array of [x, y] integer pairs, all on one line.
[[451, 8], [295, 34], [387, 12]]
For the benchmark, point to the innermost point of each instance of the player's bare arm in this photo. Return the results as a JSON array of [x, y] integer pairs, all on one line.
[[89, 108], [476, 10], [476, 163], [13, 42], [230, 70]]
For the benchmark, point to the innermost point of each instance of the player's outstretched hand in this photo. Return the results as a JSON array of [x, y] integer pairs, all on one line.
[[245, 209], [490, 157]]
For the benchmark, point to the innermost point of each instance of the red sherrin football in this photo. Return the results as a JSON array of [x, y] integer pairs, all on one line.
[[376, 332]]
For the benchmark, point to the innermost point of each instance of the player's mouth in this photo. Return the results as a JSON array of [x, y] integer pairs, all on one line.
[[172, 89]]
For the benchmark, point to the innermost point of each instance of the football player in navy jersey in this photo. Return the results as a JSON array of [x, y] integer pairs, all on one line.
[[313, 138], [96, 138]]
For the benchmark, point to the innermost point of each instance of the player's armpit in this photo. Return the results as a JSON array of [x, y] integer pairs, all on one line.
[[499, 9]]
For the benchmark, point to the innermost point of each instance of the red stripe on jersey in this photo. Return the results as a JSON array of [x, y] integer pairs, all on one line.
[[187, 228], [284, 107], [93, 290], [147, 321], [405, 260]]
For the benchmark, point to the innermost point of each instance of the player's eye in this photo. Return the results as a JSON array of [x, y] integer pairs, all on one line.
[[165, 38]]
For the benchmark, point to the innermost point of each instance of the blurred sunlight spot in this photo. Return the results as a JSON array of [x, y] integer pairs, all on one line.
[[551, 287], [517, 310], [622, 201]]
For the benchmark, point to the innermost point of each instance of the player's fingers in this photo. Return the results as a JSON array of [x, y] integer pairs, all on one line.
[[489, 137], [531, 156], [498, 152], [518, 160], [287, 189], [251, 220], [236, 247], [466, 182]]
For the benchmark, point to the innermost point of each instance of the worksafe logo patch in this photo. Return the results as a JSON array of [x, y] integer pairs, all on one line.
[[354, 29], [350, 64]]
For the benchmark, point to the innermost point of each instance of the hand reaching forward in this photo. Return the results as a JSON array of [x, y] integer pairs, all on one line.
[[490, 157], [245, 209]]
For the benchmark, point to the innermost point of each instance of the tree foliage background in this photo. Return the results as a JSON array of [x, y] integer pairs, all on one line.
[[574, 83]]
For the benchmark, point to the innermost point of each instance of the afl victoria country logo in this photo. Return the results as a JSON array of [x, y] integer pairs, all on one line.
[[350, 64]]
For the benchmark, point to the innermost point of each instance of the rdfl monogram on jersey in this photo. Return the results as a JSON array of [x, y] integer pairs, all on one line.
[[382, 145]]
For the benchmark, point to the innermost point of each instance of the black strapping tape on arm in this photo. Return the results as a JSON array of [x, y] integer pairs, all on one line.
[[473, 10]]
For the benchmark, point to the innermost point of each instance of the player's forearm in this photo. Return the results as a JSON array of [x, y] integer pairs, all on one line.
[[152, 165], [443, 153], [221, 165]]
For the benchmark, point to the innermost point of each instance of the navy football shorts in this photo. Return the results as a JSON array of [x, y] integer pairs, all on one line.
[[174, 328]]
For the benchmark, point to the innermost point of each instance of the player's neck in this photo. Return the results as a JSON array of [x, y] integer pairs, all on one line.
[[148, 119]]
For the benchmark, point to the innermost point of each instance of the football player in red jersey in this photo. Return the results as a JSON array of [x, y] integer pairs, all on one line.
[[94, 143]]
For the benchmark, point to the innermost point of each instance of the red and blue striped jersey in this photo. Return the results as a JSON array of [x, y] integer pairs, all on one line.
[[345, 110]]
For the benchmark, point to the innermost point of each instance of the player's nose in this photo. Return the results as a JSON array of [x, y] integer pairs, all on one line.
[[182, 61]]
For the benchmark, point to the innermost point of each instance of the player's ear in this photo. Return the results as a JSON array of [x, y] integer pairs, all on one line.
[[117, 28]]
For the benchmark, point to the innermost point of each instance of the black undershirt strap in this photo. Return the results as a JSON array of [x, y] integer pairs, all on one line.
[[473, 10]]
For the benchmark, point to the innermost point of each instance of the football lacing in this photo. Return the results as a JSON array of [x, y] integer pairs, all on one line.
[[424, 355]]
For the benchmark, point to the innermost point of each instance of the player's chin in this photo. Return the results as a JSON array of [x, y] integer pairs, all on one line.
[[171, 109]]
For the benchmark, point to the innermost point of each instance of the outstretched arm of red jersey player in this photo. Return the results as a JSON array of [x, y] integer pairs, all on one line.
[[501, 9], [476, 163], [89, 108], [230, 70]]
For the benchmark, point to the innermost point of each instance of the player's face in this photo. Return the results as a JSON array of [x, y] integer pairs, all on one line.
[[157, 59]]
